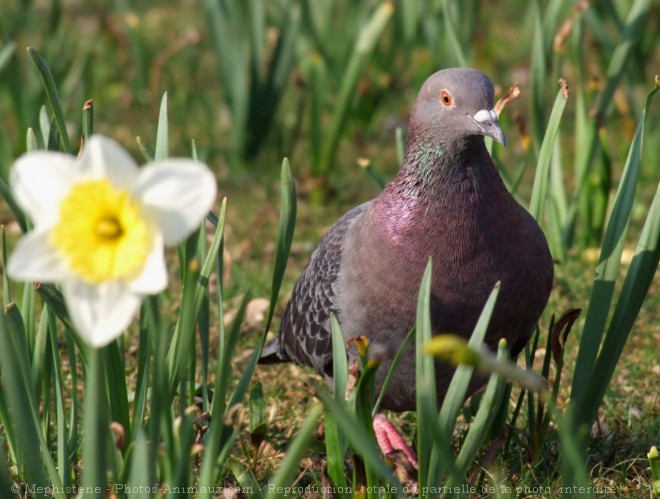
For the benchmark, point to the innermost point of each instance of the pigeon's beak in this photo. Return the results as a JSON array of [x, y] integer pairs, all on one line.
[[486, 120]]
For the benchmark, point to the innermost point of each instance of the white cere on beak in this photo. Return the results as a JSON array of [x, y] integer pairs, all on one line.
[[486, 116]]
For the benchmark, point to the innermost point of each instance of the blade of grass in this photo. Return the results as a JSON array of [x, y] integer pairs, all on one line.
[[483, 420], [248, 484], [219, 434], [364, 46], [162, 134], [63, 451], [607, 271], [287, 470], [283, 247], [139, 479], [335, 440], [88, 119], [53, 96], [393, 367], [358, 439], [635, 288], [95, 426], [459, 383], [425, 380], [19, 395], [540, 188], [8, 196]]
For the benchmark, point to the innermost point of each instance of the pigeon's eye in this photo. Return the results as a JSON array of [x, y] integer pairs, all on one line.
[[445, 98]]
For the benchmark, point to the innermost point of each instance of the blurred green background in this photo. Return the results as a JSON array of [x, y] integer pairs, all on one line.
[[253, 81], [329, 84]]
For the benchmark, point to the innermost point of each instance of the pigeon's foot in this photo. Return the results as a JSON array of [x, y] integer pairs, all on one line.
[[390, 440], [402, 458]]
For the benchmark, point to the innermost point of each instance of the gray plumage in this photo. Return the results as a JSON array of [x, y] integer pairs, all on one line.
[[447, 202]]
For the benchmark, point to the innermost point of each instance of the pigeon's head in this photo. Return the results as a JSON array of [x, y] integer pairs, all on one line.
[[455, 104]]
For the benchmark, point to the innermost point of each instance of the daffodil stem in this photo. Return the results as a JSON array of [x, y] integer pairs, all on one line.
[[94, 427]]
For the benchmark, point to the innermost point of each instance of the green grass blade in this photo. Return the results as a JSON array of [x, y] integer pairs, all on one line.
[[540, 189], [459, 384], [364, 46], [162, 135], [139, 478], [425, 379], [632, 30], [607, 269], [248, 484], [142, 379], [287, 226], [358, 438], [288, 469], [405, 344], [572, 461], [483, 420], [19, 396], [335, 440], [450, 33], [6, 484], [117, 389], [88, 119], [283, 247], [63, 451], [95, 426], [53, 96], [216, 436], [6, 291], [8, 196], [538, 75], [635, 288]]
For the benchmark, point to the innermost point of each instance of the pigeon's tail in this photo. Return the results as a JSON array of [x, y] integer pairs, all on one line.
[[272, 353]]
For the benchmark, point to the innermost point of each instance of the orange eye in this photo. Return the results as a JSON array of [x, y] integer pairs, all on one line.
[[445, 98]]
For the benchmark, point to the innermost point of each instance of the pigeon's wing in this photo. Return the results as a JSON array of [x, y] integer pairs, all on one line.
[[305, 328]]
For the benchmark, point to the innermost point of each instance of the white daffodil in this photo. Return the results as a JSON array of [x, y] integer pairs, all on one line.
[[100, 227]]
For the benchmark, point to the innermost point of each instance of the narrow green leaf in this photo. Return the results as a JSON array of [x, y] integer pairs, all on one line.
[[219, 436], [364, 46], [248, 484], [607, 271], [359, 440], [289, 467], [405, 344], [88, 119], [6, 290], [450, 33], [335, 440], [6, 53], [540, 188], [63, 450], [635, 288], [95, 426], [483, 420], [52, 94], [425, 388], [139, 479], [6, 193], [162, 134], [459, 383], [18, 393], [6, 485]]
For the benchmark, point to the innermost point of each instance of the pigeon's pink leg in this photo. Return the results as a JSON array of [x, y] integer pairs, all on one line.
[[390, 439]]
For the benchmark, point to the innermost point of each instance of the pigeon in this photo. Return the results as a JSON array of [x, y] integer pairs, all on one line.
[[447, 202]]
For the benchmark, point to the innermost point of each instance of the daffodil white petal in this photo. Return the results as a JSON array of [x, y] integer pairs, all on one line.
[[153, 278], [35, 259], [40, 179], [104, 158], [176, 194], [100, 312]]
